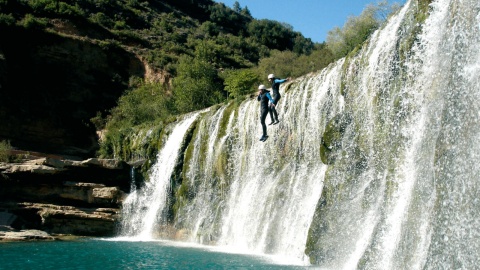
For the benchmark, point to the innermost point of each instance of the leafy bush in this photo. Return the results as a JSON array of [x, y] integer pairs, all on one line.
[[357, 29], [196, 86], [229, 19], [5, 148], [7, 19], [101, 19], [55, 7], [209, 29], [279, 63], [161, 60], [146, 104], [289, 64], [318, 59], [273, 34], [239, 83], [30, 22]]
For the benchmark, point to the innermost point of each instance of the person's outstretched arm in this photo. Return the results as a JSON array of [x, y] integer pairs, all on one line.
[[271, 99], [282, 80]]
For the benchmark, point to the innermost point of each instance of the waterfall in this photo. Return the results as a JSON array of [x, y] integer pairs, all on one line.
[[141, 208], [374, 164]]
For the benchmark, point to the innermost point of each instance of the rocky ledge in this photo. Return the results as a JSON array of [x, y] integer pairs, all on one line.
[[49, 198]]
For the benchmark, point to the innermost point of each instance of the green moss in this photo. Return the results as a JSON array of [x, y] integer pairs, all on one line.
[[188, 155], [232, 107], [181, 198], [288, 87], [344, 78], [325, 153], [221, 164], [423, 10], [421, 13], [179, 185], [331, 193], [332, 137]]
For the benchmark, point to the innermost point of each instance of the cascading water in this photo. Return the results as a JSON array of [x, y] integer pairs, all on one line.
[[373, 165], [140, 212]]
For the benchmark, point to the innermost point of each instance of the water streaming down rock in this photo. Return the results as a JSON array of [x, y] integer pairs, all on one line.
[[143, 208], [373, 166]]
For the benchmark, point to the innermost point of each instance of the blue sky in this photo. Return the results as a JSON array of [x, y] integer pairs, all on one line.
[[312, 18]]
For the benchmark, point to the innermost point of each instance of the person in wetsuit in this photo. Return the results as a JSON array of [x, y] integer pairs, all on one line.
[[276, 96], [264, 98]]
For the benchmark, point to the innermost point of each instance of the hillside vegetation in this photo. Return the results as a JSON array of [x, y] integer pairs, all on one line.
[[199, 53]]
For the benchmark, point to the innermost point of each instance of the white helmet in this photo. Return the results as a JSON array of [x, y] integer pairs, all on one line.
[[271, 76], [262, 87]]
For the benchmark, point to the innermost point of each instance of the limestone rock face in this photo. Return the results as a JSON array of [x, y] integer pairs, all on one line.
[[9, 235], [61, 197]]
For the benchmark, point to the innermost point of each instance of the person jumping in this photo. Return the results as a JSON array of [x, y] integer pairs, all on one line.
[[264, 98], [276, 97]]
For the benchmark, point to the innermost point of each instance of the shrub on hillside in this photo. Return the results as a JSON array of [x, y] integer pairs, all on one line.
[[239, 83], [357, 29], [4, 151], [197, 85], [148, 103]]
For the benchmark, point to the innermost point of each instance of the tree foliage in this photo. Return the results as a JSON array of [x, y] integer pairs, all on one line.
[[239, 83], [144, 103], [196, 86], [357, 29], [290, 64], [271, 33]]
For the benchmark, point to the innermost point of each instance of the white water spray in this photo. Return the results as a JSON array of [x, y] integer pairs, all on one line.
[[142, 210]]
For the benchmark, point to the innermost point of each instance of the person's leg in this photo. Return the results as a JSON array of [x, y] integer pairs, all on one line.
[[277, 98], [271, 111], [275, 114], [263, 116]]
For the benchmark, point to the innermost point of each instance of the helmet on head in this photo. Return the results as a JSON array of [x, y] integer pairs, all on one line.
[[271, 76], [262, 87]]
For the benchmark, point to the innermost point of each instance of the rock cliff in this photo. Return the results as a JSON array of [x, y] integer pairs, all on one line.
[[51, 85], [44, 198]]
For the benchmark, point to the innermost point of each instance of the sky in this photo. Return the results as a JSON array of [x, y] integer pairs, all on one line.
[[312, 18]]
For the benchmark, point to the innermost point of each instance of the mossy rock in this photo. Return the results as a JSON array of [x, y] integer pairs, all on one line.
[[331, 141]]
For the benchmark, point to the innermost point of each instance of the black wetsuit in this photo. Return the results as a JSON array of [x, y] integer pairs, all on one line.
[[276, 97], [264, 109]]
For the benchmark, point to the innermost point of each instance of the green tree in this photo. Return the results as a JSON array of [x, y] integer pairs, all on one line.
[[357, 29], [230, 20], [273, 34], [196, 86], [290, 64], [246, 12], [145, 104], [208, 29], [280, 63], [302, 45], [240, 82], [236, 7], [7, 19], [320, 57]]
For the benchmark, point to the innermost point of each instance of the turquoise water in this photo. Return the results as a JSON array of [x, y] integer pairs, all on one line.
[[108, 254]]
